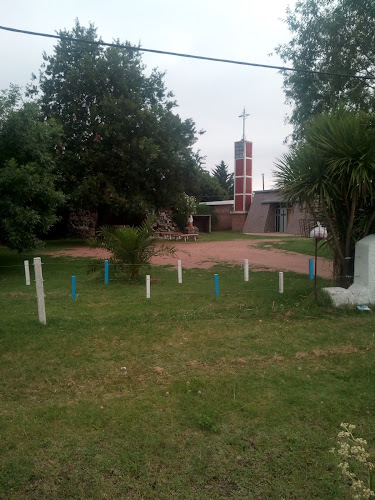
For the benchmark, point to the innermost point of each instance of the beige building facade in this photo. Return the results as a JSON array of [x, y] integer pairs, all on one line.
[[267, 214]]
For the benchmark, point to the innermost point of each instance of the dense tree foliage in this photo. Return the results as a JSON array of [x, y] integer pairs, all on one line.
[[225, 178], [200, 183], [24, 133], [28, 204], [209, 188], [123, 146], [103, 131], [28, 198], [332, 173], [336, 36]]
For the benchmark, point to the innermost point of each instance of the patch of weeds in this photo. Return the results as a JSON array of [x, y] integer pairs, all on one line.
[[207, 423], [280, 308]]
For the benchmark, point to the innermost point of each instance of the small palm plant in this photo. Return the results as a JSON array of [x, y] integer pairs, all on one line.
[[131, 247]]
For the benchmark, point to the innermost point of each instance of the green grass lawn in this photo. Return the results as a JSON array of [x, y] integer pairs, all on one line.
[[299, 245], [232, 235], [238, 396]]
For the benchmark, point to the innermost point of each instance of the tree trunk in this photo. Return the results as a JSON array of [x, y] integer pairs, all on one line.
[[339, 261], [369, 224], [347, 276], [345, 279]]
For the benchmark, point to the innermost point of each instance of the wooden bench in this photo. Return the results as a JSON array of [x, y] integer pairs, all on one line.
[[187, 236], [168, 235]]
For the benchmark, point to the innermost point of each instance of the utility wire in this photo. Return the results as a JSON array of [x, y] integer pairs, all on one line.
[[177, 54]]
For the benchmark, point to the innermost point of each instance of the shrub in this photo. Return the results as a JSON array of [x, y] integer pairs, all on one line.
[[131, 247]]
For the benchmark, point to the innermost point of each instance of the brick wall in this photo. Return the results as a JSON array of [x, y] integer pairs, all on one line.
[[224, 218], [238, 221], [82, 223]]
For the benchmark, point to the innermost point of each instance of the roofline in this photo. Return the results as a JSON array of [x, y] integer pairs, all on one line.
[[267, 191], [213, 203]]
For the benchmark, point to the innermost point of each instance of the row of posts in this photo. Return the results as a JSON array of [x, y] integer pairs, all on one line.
[[40, 287], [216, 279]]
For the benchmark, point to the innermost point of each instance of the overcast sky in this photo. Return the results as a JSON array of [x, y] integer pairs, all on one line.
[[212, 94]]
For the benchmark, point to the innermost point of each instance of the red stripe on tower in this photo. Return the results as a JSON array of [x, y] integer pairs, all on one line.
[[243, 175]]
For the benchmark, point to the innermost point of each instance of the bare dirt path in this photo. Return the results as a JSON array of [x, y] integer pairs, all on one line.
[[205, 255]]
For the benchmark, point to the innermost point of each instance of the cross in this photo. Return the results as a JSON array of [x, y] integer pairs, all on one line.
[[244, 116]]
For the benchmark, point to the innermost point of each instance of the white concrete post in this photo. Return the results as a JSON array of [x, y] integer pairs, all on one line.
[[39, 289], [281, 282], [246, 270], [179, 271], [27, 272], [148, 289]]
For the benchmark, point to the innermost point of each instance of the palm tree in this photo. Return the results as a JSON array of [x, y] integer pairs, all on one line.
[[332, 174], [132, 247]]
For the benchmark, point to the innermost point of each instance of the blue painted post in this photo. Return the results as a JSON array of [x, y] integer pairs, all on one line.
[[216, 276], [106, 273], [74, 288], [311, 268]]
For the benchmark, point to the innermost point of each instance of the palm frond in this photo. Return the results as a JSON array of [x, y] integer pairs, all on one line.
[[333, 173], [132, 247]]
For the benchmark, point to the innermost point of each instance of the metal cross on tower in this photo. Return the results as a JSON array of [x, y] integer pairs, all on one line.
[[243, 155], [243, 116]]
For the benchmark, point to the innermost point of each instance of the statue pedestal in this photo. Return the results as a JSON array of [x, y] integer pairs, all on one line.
[[362, 291], [191, 230]]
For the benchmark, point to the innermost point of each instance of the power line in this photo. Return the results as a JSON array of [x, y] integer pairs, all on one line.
[[190, 56]]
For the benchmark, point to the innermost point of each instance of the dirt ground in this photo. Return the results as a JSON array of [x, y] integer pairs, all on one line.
[[205, 255]]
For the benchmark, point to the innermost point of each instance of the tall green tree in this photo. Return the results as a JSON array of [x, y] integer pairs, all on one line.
[[336, 36], [25, 134], [28, 197], [28, 204], [224, 177], [124, 148], [332, 174], [201, 184], [209, 188]]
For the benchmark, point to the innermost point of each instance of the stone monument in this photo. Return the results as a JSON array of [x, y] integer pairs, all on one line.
[[362, 291]]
